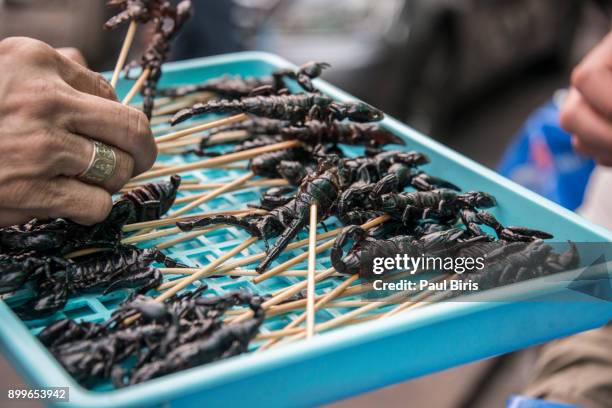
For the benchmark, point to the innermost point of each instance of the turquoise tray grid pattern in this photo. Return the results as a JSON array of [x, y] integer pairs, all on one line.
[[346, 361]]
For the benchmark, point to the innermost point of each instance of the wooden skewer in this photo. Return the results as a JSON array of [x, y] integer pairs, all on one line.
[[84, 252], [254, 258], [186, 237], [194, 197], [162, 128], [217, 161], [137, 86], [320, 303], [181, 103], [205, 126], [151, 235], [212, 194], [125, 49], [274, 271], [312, 264], [237, 272], [158, 120], [161, 101], [206, 271], [173, 220], [256, 183], [284, 295], [410, 303], [219, 138]]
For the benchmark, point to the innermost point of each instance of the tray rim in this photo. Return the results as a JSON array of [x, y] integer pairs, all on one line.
[[208, 376]]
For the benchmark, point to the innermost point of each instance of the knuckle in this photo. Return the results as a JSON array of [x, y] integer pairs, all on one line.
[[123, 172], [105, 88], [582, 74], [101, 206], [140, 138], [47, 95], [28, 49]]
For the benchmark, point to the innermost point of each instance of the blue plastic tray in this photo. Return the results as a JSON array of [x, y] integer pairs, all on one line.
[[345, 361]]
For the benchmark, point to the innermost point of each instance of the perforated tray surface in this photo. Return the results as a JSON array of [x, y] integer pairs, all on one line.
[[345, 361]]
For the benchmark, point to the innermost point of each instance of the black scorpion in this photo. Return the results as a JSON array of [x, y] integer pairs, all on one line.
[[295, 108]]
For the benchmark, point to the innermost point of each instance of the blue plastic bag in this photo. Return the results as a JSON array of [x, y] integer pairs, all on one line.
[[542, 159]]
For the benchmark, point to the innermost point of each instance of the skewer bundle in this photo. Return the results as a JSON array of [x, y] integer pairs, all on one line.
[[294, 145]]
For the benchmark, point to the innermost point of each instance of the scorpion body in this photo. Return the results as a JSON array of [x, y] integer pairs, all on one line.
[[442, 204], [285, 221], [296, 108], [140, 11], [168, 23], [184, 331], [314, 132], [367, 247], [514, 262], [61, 236], [235, 87], [152, 200]]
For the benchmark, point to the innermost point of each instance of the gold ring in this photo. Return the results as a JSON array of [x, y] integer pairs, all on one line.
[[102, 164]]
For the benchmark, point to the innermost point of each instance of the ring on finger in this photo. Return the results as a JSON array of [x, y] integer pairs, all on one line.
[[102, 164]]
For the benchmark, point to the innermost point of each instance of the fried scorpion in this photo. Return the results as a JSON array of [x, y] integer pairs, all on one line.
[[167, 24], [234, 87], [295, 108], [285, 221]]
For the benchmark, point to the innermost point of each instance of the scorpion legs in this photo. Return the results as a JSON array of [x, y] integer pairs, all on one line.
[[281, 243], [351, 262], [249, 226]]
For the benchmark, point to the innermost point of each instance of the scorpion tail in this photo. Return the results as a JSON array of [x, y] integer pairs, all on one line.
[[214, 106], [224, 219], [281, 243], [523, 234], [337, 253], [160, 257]]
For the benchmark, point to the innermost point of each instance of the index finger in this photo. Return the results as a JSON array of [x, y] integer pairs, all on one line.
[[113, 124], [82, 79]]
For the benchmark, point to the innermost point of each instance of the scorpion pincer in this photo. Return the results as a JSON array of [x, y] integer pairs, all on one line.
[[151, 201]]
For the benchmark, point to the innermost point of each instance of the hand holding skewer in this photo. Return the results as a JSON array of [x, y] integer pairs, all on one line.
[[56, 109]]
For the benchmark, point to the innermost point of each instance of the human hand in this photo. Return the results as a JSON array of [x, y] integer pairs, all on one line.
[[587, 111], [51, 108]]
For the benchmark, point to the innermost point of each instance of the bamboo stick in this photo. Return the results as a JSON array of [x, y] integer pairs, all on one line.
[[274, 271], [212, 194], [254, 258], [137, 86], [205, 126], [256, 183], [173, 220], [302, 273], [320, 303], [217, 161], [123, 54], [206, 271], [312, 264]]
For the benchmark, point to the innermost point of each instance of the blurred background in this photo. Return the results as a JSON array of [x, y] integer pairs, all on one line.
[[469, 73]]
